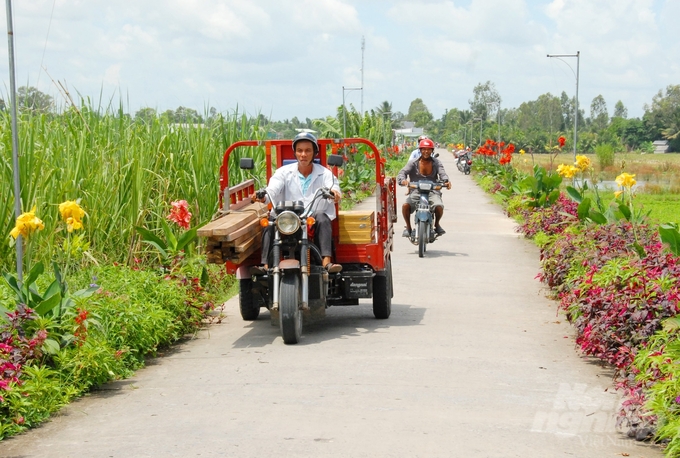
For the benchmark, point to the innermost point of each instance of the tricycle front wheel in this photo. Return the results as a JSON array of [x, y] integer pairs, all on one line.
[[290, 315]]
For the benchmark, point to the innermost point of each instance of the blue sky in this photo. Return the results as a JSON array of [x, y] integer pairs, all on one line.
[[286, 58]]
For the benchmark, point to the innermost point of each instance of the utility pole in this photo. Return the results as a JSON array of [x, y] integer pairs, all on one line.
[[15, 140], [363, 46], [578, 64]]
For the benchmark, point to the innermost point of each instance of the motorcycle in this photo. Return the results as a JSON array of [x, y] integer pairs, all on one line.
[[296, 276], [424, 218], [464, 162]]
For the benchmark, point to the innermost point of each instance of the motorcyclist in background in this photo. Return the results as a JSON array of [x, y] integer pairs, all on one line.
[[426, 167], [415, 154]]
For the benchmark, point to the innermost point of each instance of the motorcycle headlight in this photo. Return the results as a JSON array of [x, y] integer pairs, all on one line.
[[288, 223], [425, 186]]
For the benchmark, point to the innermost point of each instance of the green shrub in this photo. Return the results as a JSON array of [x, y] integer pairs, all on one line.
[[605, 155]]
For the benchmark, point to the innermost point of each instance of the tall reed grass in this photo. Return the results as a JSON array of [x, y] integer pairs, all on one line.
[[126, 172]]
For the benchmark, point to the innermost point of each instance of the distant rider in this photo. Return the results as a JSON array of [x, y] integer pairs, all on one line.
[[425, 167], [415, 154]]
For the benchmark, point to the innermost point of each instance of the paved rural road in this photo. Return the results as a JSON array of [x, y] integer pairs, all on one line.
[[473, 362]]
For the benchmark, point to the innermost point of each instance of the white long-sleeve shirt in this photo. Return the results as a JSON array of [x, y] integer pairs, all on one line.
[[285, 185]]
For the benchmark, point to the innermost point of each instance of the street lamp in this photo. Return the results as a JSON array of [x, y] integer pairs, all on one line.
[[497, 104], [480, 129], [344, 110], [578, 62]]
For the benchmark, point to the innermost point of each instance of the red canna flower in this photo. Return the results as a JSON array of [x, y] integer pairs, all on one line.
[[180, 214], [561, 141]]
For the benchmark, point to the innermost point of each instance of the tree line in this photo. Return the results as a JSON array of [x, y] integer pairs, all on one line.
[[534, 125]]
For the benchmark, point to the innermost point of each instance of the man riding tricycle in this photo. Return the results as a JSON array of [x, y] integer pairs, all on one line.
[[300, 255]]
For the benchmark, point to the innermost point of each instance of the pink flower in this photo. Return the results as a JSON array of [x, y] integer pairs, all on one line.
[[180, 214]]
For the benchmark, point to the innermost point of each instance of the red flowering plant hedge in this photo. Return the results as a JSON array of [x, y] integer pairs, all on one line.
[[618, 285]]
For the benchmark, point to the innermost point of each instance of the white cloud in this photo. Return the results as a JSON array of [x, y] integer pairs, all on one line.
[[292, 58]]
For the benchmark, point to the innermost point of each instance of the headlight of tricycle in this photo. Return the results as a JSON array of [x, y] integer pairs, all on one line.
[[288, 223]]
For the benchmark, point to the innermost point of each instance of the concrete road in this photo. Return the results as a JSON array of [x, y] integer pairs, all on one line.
[[474, 362]]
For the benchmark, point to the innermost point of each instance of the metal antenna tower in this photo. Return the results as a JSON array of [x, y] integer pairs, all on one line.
[[363, 46]]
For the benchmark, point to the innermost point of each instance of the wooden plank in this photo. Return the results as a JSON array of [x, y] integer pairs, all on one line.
[[232, 221], [245, 255], [254, 227], [224, 223], [243, 247], [252, 214], [241, 232]]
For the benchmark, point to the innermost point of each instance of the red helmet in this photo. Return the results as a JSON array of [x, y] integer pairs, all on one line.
[[426, 143]]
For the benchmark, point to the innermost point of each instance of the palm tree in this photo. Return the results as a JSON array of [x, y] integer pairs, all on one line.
[[384, 109], [673, 130], [465, 116]]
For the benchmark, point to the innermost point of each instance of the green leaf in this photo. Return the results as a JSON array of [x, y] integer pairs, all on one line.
[[36, 271], [186, 238], [597, 217], [14, 284], [640, 250], [205, 278], [169, 235], [53, 289], [625, 211], [48, 304], [552, 198], [57, 273], [3, 314], [671, 324], [583, 208], [148, 237], [574, 194], [670, 235], [164, 254], [85, 292], [51, 346]]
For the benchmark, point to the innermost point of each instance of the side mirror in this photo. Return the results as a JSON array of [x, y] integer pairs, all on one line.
[[247, 163], [334, 160]]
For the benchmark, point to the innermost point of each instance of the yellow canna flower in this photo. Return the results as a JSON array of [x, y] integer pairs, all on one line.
[[72, 215], [618, 193], [26, 224], [626, 180], [521, 151], [582, 163], [567, 171]]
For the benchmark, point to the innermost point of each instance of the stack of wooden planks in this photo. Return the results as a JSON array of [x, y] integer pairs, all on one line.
[[235, 236]]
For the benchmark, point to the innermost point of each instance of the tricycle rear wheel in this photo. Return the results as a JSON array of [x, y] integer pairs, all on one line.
[[250, 308], [290, 315], [382, 293]]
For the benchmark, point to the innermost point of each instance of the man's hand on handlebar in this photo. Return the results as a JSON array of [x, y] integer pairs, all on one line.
[[404, 183], [259, 196], [448, 185], [336, 196]]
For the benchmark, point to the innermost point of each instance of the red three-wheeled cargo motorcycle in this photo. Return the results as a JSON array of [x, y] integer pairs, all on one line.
[[295, 287]]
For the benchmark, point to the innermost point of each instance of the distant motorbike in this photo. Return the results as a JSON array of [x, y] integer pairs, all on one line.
[[424, 218], [464, 162]]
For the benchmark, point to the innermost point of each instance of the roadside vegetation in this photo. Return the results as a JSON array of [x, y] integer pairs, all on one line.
[[612, 261]]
